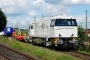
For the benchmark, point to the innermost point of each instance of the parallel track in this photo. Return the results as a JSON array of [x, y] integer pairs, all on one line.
[[3, 55], [12, 54], [78, 54]]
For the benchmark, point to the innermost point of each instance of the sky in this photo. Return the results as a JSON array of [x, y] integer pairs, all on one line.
[[22, 12]]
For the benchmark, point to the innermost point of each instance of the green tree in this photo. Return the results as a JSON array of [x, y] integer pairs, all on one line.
[[3, 21], [81, 38]]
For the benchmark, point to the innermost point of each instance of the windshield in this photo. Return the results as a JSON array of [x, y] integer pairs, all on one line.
[[65, 22]]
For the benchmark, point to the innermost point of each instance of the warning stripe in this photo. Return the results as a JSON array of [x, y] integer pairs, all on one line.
[[74, 38], [56, 39]]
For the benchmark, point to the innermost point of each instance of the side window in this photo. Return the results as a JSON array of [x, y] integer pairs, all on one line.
[[43, 25], [52, 23], [73, 23], [31, 26], [69, 23]]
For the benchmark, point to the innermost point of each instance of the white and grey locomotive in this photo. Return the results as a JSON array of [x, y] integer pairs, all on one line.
[[59, 32]]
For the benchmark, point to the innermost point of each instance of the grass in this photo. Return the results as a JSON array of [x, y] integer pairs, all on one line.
[[44, 53]]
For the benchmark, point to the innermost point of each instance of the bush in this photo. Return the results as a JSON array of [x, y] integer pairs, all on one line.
[[81, 38]]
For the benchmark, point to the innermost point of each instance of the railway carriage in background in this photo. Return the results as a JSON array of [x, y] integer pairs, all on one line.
[[59, 32], [8, 31]]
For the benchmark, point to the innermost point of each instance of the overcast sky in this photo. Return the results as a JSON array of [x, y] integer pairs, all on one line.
[[23, 11]]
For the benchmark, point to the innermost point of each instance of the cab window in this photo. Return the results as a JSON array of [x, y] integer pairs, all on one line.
[[65, 22], [52, 23], [31, 26]]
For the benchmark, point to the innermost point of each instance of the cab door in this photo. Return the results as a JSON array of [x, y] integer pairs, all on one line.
[[52, 25], [31, 32]]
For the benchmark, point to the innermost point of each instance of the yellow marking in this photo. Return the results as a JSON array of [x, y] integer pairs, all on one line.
[[56, 39], [74, 38]]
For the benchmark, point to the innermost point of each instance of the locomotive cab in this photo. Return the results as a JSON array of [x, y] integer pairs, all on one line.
[[64, 32]]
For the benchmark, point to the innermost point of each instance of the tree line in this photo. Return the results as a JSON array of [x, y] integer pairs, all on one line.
[[3, 20]]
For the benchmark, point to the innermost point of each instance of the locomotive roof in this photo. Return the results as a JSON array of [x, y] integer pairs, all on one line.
[[57, 17]]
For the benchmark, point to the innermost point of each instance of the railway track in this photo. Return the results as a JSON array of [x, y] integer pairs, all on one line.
[[11, 54], [78, 54]]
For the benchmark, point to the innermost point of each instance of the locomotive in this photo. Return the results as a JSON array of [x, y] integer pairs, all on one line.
[[59, 32]]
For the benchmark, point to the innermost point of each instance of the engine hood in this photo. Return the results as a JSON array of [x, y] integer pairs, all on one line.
[[69, 31]]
